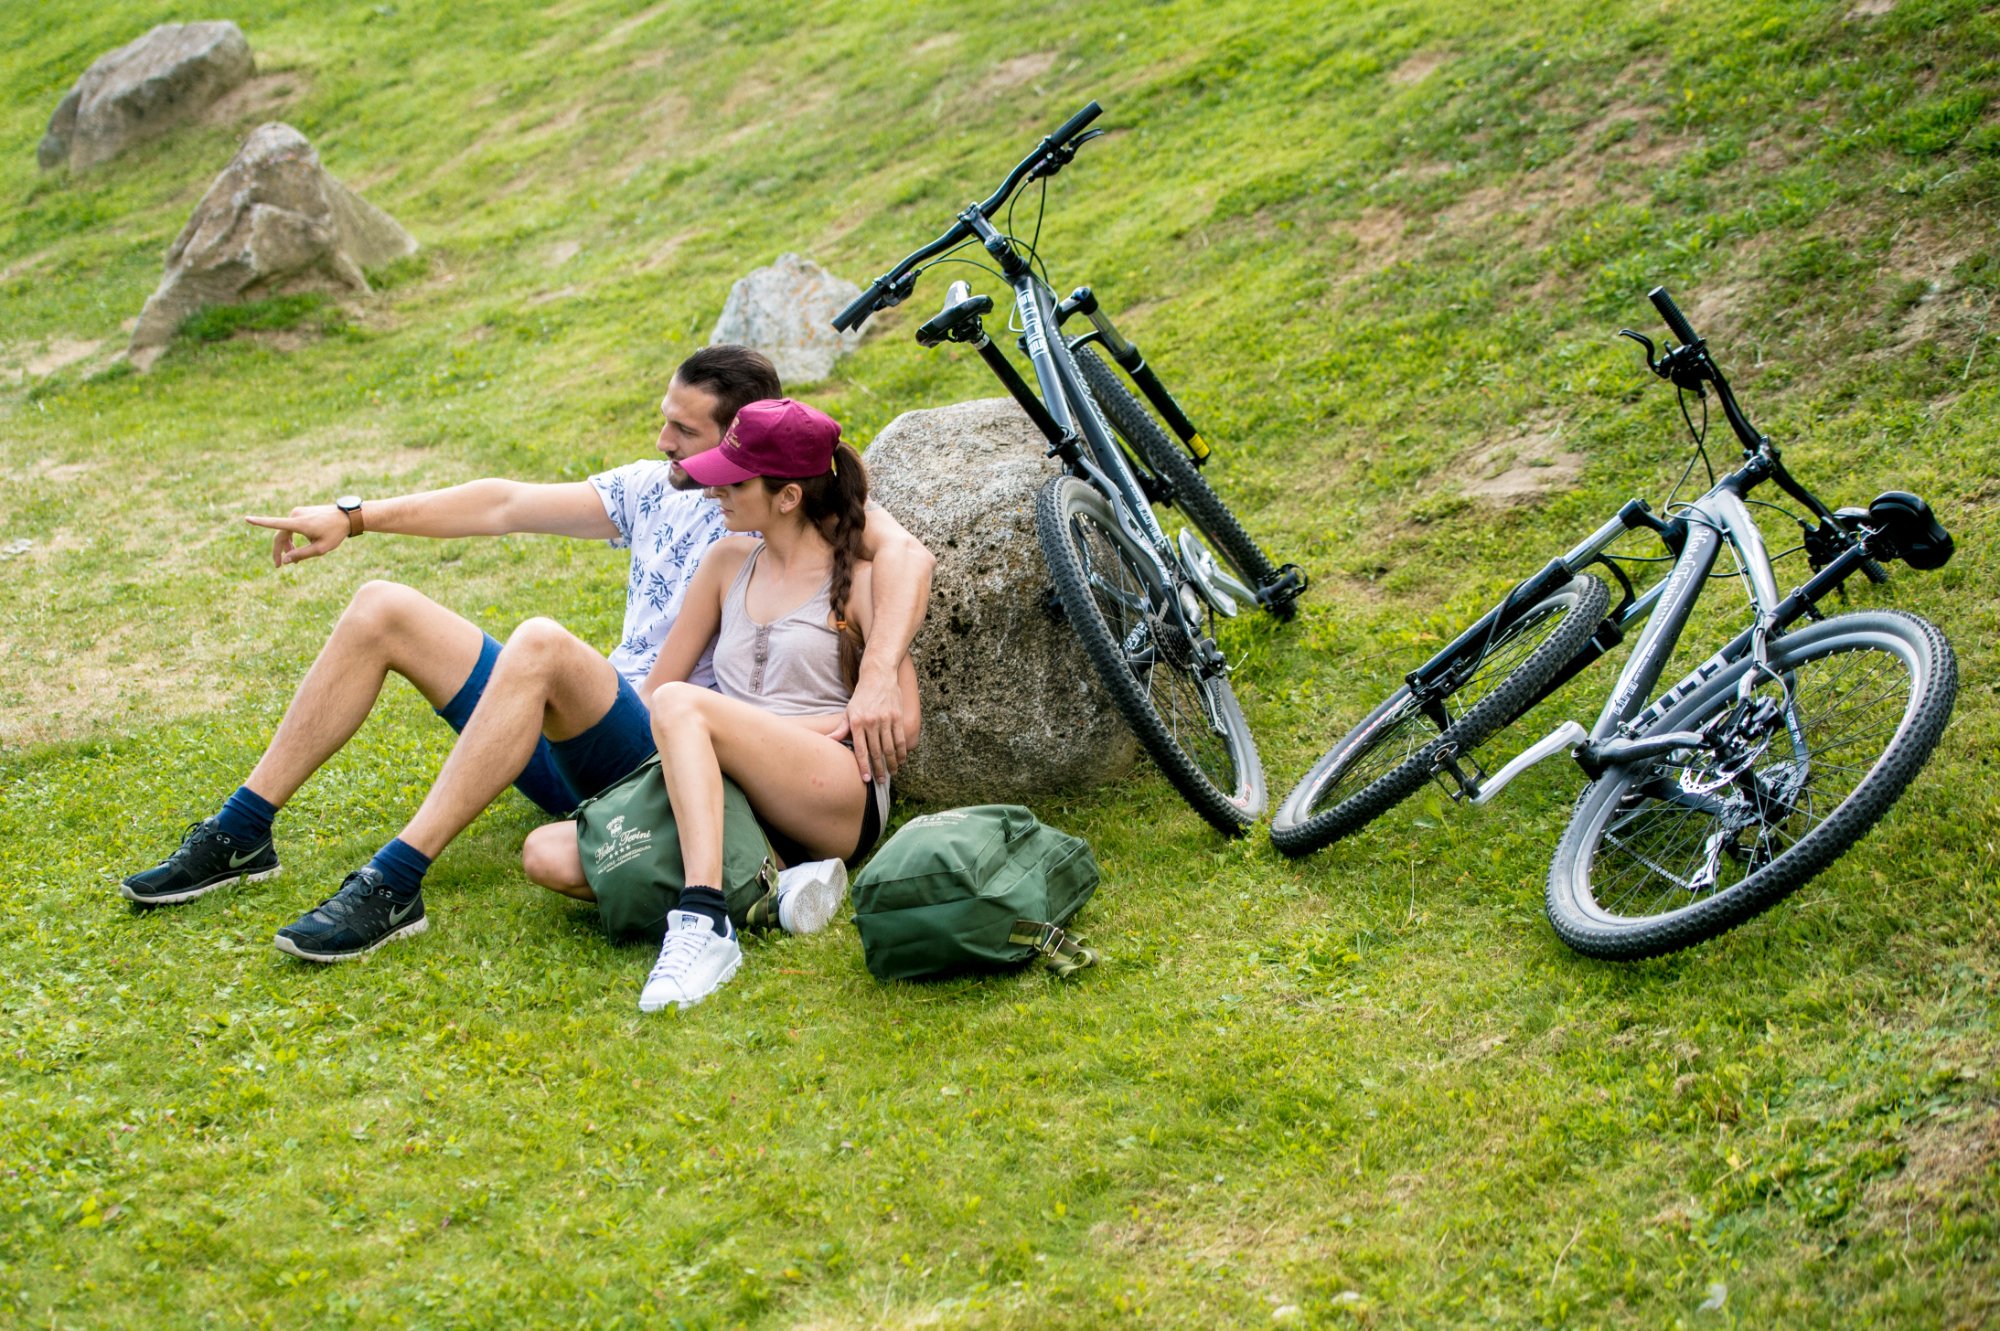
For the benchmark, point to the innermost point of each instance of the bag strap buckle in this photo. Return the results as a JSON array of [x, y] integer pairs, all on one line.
[[1061, 953]]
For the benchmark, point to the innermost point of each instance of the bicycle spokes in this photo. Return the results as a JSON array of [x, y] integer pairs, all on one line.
[[1762, 781]]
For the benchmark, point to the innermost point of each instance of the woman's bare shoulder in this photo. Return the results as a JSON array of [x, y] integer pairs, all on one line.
[[730, 552]]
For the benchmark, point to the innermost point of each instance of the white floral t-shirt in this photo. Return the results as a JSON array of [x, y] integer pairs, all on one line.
[[667, 531]]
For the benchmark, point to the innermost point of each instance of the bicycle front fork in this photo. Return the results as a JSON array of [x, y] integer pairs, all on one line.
[[1084, 301]]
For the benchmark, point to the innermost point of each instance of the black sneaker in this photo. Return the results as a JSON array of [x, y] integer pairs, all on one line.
[[360, 917], [208, 858]]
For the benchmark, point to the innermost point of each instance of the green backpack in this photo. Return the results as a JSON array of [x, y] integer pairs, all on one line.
[[632, 857], [976, 889]]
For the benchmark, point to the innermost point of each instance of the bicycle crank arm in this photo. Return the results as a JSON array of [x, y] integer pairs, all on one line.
[[1217, 585], [1565, 736]]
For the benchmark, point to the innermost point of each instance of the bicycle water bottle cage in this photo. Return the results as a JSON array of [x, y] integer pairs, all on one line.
[[1907, 526], [957, 322]]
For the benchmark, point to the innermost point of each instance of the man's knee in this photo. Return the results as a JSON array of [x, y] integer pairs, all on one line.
[[382, 610], [540, 641]]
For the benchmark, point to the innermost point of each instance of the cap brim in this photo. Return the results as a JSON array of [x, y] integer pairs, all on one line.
[[712, 468]]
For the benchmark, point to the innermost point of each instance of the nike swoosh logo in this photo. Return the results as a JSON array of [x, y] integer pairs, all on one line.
[[238, 861], [396, 917]]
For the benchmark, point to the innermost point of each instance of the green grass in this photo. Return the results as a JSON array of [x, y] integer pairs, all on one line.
[[1364, 243]]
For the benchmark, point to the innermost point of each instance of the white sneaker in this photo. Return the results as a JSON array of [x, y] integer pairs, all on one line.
[[694, 962], [809, 894]]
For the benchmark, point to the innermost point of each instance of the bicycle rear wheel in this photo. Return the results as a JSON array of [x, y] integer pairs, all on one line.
[[1663, 854], [1392, 752], [1187, 720], [1198, 504]]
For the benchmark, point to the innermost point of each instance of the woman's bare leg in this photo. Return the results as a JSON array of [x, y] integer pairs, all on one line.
[[552, 858], [802, 783]]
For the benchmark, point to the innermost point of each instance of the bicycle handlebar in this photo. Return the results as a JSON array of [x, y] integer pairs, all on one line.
[[1747, 434], [1048, 157], [1694, 351], [1677, 322]]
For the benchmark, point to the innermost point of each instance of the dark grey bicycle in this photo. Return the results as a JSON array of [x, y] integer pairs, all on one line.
[[1143, 604], [1713, 801]]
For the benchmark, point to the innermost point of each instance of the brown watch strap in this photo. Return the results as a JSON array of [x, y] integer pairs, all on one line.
[[354, 527]]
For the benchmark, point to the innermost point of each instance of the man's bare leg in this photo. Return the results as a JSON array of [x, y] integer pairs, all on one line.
[[546, 682], [386, 627]]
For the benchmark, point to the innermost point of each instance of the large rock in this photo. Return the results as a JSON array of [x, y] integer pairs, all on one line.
[[142, 90], [786, 311], [273, 222], [1012, 709]]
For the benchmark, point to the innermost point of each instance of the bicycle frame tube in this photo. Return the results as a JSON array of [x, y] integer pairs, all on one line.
[[1073, 410], [1522, 598], [1718, 516]]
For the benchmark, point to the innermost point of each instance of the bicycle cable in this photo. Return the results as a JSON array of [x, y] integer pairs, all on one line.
[[1700, 444]]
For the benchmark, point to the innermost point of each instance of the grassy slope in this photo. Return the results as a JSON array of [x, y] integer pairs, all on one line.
[[1367, 241]]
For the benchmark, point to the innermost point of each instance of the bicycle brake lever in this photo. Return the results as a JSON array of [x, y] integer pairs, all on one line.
[[1055, 159], [1652, 362]]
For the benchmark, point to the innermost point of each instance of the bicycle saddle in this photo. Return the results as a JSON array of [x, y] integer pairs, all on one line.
[[1907, 524], [958, 321]]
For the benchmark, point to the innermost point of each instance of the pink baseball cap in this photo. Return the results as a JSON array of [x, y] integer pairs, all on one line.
[[774, 437]]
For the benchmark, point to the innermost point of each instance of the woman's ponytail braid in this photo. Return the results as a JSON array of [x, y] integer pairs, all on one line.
[[837, 503]]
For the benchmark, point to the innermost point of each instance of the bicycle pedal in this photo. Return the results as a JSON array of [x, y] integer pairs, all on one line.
[[1565, 736], [1446, 764]]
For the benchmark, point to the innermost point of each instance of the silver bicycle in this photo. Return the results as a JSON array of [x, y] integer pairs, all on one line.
[[1713, 800]]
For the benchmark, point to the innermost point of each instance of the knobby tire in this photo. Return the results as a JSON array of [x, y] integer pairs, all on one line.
[[1871, 693], [1392, 752], [1104, 583]]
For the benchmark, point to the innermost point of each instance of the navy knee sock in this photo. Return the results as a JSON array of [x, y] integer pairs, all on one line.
[[402, 868], [699, 900], [246, 817]]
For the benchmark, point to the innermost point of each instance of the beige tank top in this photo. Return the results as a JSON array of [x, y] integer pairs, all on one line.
[[791, 665]]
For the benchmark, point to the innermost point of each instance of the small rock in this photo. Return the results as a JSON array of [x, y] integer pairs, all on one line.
[[1012, 709], [273, 222], [786, 311], [1718, 1294], [144, 89], [1286, 1314], [20, 545]]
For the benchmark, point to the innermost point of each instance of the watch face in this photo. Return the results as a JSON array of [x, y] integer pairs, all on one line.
[[347, 503]]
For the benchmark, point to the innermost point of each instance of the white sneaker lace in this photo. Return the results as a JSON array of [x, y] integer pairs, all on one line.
[[677, 953]]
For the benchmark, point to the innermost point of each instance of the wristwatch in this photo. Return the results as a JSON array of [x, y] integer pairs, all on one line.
[[351, 506]]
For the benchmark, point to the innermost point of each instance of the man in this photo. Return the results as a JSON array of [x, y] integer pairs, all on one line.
[[546, 712]]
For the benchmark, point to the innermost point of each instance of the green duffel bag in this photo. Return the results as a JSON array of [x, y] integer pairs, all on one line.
[[632, 857], [977, 889]]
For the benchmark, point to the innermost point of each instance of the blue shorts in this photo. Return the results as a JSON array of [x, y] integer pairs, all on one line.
[[561, 774]]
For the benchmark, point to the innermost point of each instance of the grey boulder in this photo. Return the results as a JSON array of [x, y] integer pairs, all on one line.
[[786, 311], [1011, 708], [274, 222], [144, 89]]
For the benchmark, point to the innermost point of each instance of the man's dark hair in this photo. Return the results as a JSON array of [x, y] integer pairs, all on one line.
[[736, 376]]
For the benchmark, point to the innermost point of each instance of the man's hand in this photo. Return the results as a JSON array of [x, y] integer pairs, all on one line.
[[323, 526], [875, 723]]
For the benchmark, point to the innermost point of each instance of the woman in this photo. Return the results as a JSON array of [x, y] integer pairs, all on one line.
[[787, 612]]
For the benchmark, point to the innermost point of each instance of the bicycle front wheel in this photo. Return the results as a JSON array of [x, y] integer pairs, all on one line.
[[1198, 504], [1663, 854], [1385, 759], [1187, 720]]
